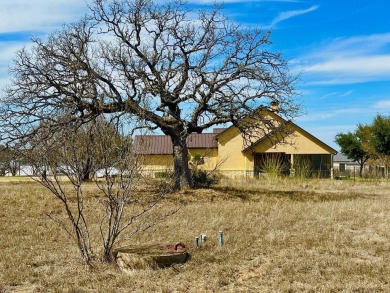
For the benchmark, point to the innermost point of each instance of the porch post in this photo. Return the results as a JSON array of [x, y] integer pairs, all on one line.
[[292, 170], [331, 167]]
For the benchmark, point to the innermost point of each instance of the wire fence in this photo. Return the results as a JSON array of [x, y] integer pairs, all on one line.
[[367, 172], [254, 173]]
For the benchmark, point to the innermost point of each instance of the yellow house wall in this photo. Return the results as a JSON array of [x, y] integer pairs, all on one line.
[[210, 157], [157, 162], [230, 145], [297, 143]]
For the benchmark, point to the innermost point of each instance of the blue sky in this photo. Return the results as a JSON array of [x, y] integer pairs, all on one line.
[[340, 48]]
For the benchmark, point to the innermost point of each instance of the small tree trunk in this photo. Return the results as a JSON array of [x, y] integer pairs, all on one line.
[[14, 168], [182, 175], [108, 256], [86, 173], [361, 169]]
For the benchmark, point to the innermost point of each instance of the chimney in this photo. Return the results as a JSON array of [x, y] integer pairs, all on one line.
[[275, 106]]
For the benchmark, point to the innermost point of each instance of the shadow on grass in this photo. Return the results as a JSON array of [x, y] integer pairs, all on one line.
[[300, 196]]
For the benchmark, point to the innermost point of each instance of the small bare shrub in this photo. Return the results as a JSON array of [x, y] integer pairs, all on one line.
[[66, 155]]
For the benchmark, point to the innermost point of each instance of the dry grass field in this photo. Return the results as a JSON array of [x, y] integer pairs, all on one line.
[[288, 236]]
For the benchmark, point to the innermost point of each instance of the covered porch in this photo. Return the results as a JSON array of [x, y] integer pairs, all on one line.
[[300, 165]]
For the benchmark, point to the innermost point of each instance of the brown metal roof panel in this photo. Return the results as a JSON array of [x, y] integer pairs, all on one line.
[[201, 141], [153, 144], [162, 144]]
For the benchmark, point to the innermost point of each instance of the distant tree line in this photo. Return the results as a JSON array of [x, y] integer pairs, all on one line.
[[41, 151], [9, 162], [368, 143]]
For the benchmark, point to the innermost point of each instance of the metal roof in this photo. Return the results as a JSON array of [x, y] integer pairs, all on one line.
[[162, 144], [341, 158]]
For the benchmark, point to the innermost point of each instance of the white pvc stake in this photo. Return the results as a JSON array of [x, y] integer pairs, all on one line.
[[220, 238], [196, 242]]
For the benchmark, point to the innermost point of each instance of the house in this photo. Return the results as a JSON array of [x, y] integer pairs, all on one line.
[[345, 167], [20, 170], [234, 154]]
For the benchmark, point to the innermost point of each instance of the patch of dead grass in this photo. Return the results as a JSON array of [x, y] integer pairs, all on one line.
[[306, 237]]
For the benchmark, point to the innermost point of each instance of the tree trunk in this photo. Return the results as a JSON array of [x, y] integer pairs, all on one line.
[[87, 169], [361, 170], [13, 168], [182, 175], [108, 255]]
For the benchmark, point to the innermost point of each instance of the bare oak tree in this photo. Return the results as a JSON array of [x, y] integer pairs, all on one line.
[[179, 73]]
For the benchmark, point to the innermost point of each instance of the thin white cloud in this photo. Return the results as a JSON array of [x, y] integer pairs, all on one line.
[[347, 60], [350, 47], [346, 94], [34, 17], [292, 13], [365, 66], [337, 115], [7, 54], [336, 94], [382, 105], [38, 15], [8, 50]]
